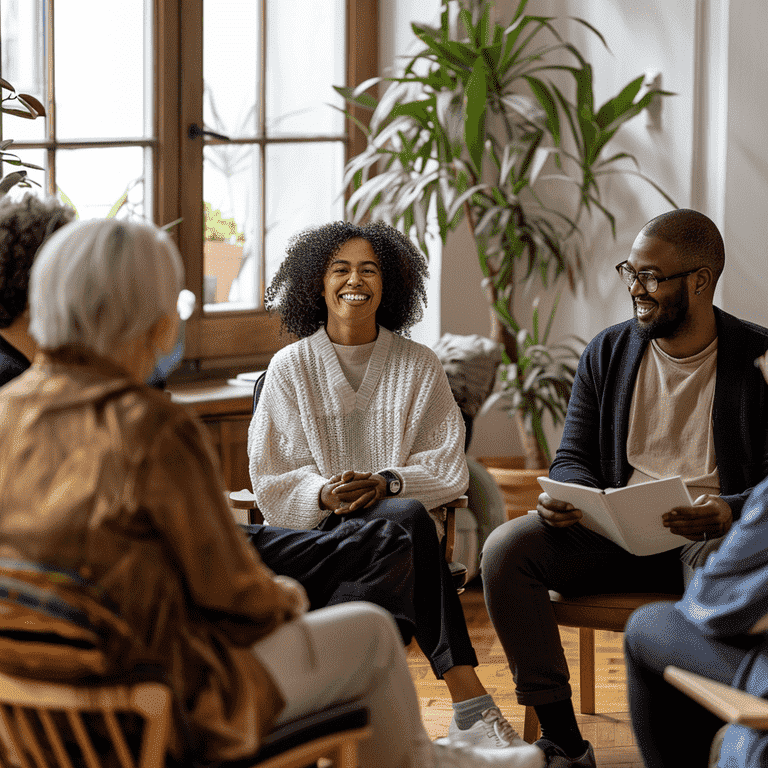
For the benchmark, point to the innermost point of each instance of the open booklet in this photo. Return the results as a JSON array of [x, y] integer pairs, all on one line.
[[629, 516]]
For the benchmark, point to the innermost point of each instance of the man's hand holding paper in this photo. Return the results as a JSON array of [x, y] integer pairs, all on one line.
[[708, 517]]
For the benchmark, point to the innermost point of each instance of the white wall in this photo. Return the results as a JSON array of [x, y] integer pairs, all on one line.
[[745, 287]]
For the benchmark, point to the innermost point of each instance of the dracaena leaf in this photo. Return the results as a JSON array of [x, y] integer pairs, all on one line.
[[476, 110]]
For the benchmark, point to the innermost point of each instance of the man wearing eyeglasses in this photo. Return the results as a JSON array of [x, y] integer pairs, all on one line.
[[673, 391]]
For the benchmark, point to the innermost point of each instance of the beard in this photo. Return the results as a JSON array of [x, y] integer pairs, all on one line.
[[670, 316]]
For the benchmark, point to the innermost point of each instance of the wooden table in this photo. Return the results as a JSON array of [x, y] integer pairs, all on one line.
[[225, 409]]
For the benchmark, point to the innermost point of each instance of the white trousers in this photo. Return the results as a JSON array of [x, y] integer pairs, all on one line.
[[351, 652]]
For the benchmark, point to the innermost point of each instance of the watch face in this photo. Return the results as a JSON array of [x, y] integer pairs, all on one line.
[[394, 486]]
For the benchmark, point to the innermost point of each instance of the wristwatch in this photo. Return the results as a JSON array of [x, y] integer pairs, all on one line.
[[394, 484]]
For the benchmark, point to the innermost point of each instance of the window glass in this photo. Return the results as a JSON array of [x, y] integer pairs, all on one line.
[[37, 178], [101, 70], [297, 201], [231, 66], [22, 63], [305, 57], [97, 181], [252, 205], [231, 242]]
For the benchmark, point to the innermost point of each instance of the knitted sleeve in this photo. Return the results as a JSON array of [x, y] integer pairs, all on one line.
[[435, 470], [284, 474]]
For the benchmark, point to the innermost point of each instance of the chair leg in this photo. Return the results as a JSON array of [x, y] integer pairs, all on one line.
[[531, 726], [587, 670]]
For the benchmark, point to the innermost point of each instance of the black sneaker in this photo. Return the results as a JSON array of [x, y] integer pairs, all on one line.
[[556, 758]]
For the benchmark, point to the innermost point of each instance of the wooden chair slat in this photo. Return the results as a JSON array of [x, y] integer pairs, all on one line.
[[118, 740], [54, 739], [83, 739], [10, 738], [28, 738]]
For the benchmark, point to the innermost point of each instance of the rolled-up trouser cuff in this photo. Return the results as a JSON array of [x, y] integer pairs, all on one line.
[[534, 698], [447, 659]]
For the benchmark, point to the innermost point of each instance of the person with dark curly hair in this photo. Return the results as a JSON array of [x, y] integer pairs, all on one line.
[[24, 225], [357, 421]]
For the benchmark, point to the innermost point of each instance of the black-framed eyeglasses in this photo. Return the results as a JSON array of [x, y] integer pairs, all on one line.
[[648, 280]]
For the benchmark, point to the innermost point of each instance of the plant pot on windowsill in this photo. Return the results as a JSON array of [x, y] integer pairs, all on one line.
[[518, 485]]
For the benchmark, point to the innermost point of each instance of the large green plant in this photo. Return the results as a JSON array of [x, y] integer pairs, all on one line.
[[538, 383], [20, 105], [485, 119]]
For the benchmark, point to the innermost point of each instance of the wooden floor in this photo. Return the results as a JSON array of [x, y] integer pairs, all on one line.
[[609, 731]]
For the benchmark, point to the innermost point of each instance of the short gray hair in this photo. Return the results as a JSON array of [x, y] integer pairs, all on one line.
[[99, 283]]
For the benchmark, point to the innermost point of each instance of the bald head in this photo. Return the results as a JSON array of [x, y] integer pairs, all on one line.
[[695, 237]]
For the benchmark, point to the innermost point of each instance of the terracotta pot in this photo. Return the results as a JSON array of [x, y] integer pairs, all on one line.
[[519, 486]]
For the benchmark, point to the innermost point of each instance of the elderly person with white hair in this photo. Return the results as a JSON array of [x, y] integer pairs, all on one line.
[[111, 498]]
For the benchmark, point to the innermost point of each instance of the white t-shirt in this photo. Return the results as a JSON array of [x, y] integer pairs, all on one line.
[[670, 420]]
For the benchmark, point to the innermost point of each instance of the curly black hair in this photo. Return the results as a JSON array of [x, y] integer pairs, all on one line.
[[295, 291], [24, 226]]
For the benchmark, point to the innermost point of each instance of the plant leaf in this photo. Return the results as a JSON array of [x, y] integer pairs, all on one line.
[[11, 180], [18, 113], [32, 104], [476, 98]]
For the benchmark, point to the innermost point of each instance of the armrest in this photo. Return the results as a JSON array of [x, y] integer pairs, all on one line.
[[244, 499], [730, 704]]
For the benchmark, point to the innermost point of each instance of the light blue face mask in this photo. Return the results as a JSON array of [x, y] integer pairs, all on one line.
[[168, 363]]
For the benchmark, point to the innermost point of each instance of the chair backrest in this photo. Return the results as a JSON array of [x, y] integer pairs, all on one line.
[[53, 725], [257, 387]]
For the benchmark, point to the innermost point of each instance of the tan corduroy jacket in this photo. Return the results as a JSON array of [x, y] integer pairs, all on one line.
[[110, 480]]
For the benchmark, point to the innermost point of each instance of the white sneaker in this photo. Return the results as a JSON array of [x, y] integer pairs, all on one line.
[[493, 731], [451, 753]]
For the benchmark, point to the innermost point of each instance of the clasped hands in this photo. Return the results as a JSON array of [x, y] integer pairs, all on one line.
[[350, 491], [708, 516]]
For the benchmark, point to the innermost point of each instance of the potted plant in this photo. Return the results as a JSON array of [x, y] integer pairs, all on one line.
[[477, 128], [29, 108]]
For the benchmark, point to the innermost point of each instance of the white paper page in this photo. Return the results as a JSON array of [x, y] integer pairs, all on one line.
[[637, 510], [591, 502]]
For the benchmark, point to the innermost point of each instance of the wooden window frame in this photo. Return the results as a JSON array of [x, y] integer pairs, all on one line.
[[226, 340]]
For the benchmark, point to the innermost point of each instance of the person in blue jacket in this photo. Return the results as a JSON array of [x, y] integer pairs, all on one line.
[[716, 630]]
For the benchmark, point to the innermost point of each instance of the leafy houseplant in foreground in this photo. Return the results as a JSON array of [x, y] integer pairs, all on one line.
[[29, 108], [484, 118]]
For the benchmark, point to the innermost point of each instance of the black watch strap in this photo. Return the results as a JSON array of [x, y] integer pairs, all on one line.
[[394, 484]]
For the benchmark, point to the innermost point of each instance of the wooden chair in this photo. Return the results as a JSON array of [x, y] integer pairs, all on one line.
[[588, 613], [732, 705], [53, 725], [48, 724]]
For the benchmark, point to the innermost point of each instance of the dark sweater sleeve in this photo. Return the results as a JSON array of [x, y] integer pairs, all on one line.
[[578, 458]]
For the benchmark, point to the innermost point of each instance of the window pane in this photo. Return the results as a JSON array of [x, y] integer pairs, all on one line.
[[22, 63], [231, 245], [297, 201], [96, 180], [37, 178], [231, 66], [305, 57], [103, 70]]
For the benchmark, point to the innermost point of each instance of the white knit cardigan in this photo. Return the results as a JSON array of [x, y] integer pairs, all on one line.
[[310, 425]]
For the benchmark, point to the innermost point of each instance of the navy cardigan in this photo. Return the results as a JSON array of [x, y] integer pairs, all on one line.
[[593, 450]]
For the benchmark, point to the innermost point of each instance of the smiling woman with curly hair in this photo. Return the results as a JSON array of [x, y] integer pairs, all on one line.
[[295, 292], [354, 420]]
